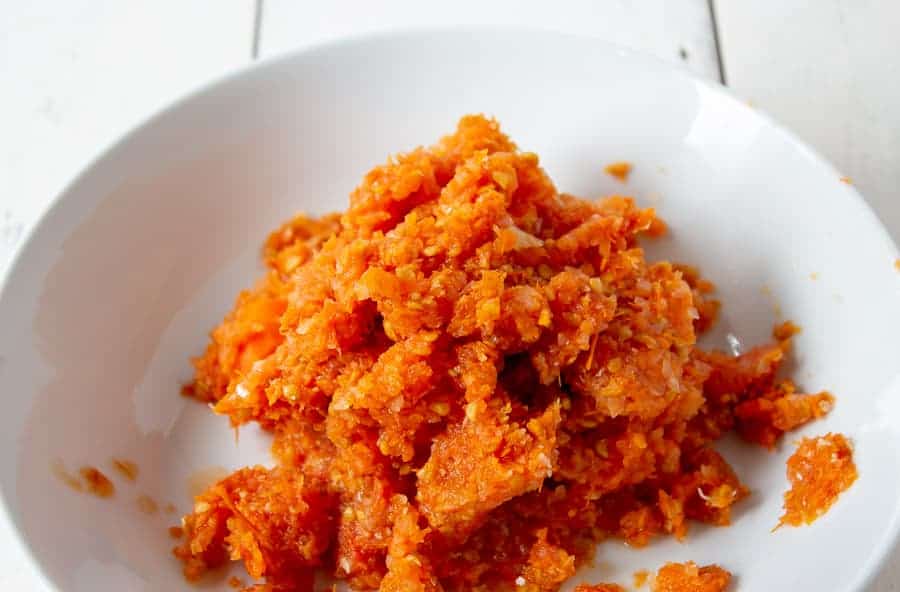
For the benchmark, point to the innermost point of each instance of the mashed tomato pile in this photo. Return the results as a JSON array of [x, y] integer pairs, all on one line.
[[471, 379]]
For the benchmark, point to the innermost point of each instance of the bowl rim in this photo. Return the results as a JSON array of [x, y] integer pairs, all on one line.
[[422, 34]]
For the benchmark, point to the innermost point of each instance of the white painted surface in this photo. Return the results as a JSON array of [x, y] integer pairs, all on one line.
[[830, 71], [660, 27], [76, 75]]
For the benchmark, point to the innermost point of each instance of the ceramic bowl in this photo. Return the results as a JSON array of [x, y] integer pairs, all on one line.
[[118, 285]]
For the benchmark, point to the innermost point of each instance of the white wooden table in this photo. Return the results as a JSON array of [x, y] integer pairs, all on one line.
[[75, 75]]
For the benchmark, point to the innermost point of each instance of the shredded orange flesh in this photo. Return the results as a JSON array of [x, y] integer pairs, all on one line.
[[640, 578], [688, 577], [819, 471], [96, 482], [472, 378], [600, 588], [619, 170]]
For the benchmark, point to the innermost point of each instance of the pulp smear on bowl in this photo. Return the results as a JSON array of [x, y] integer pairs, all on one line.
[[471, 379]]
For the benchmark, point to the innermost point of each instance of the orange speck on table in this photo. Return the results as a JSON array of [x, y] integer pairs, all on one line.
[[470, 379], [819, 471], [846, 180], [688, 577], [897, 264], [619, 170], [126, 468], [96, 482]]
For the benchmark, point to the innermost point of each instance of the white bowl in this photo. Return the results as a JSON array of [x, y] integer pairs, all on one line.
[[118, 285]]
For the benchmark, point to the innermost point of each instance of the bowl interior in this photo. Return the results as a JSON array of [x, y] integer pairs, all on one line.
[[122, 280]]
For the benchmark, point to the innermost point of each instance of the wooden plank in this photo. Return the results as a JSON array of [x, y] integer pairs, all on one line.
[[76, 75], [668, 29], [830, 71]]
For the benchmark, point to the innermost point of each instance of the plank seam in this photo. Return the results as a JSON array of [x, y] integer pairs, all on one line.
[[257, 26], [716, 41]]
